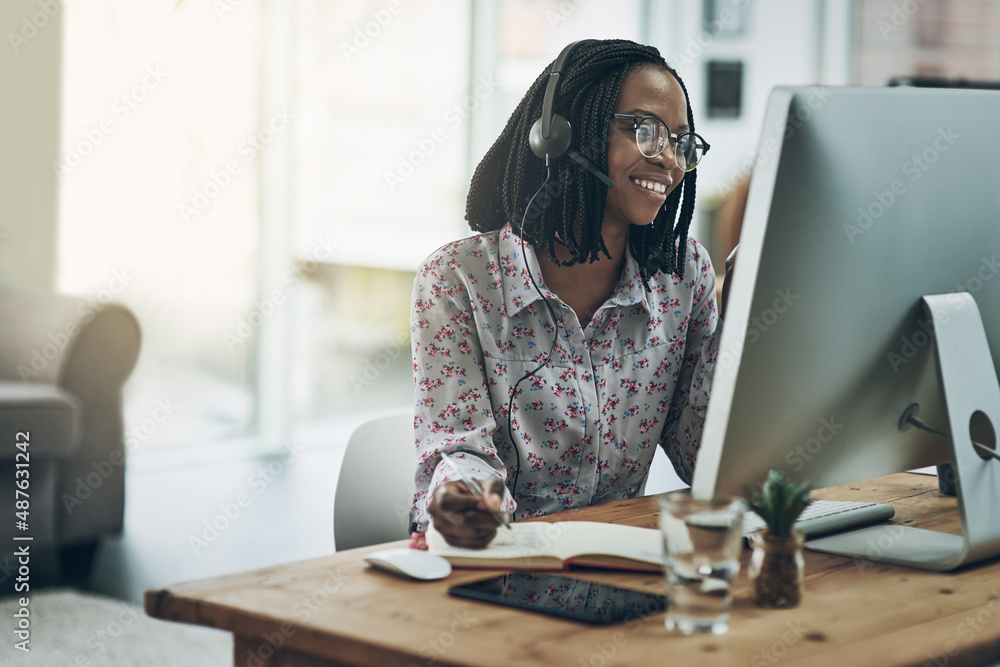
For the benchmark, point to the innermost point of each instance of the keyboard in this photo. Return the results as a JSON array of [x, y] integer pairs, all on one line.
[[828, 516]]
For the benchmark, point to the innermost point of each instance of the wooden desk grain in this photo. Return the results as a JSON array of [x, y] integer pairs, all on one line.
[[336, 611]]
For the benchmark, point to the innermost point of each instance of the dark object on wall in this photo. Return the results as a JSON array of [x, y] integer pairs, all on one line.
[[725, 88]]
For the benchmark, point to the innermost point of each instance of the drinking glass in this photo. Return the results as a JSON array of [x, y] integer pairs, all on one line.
[[702, 541]]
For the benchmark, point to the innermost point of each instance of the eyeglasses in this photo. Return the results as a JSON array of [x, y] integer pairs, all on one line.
[[652, 136]]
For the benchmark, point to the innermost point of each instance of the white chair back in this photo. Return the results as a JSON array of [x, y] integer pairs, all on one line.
[[375, 487], [662, 477]]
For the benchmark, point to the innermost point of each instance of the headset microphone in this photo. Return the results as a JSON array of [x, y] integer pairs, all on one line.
[[582, 161], [551, 135]]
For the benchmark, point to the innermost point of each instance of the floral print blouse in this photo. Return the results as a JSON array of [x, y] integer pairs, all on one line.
[[585, 425]]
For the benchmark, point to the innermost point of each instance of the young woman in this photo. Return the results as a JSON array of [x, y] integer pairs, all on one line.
[[556, 349]]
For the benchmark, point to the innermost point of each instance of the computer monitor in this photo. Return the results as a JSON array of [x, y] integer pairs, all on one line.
[[862, 201]]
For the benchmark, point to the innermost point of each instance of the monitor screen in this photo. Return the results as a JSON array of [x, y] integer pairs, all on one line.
[[862, 201]]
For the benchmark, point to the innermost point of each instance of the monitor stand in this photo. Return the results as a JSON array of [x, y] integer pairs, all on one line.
[[972, 396]]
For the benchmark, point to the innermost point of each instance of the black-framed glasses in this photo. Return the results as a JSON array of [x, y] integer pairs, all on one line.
[[652, 136]]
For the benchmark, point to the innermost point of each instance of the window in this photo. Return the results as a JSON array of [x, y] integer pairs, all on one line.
[[161, 140], [379, 166]]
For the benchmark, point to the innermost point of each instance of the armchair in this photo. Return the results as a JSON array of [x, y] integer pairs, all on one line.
[[63, 361]]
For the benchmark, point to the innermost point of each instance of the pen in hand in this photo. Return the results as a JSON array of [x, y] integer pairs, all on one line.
[[476, 490]]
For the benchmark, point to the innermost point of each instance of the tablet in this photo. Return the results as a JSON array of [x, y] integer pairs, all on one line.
[[576, 599]]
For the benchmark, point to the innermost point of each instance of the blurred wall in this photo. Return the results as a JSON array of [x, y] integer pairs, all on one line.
[[30, 63]]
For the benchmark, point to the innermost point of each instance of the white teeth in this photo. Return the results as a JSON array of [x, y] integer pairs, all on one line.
[[658, 188]]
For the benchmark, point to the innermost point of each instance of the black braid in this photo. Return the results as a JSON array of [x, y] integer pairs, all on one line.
[[588, 91]]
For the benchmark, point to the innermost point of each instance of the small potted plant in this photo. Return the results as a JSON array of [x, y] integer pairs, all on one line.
[[776, 566]]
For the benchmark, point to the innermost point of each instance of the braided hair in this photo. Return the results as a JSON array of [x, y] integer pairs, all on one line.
[[588, 90]]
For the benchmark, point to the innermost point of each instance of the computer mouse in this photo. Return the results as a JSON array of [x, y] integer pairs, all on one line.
[[411, 563]]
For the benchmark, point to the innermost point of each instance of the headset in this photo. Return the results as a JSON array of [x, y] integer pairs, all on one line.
[[551, 135], [549, 138]]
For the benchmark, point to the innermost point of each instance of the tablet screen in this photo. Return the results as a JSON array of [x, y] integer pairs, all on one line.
[[566, 597]]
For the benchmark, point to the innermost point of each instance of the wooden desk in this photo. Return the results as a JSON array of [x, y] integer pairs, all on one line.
[[336, 611]]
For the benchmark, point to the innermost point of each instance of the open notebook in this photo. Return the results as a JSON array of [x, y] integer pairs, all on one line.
[[555, 546]]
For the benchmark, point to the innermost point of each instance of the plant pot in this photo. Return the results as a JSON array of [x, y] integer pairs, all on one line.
[[777, 569]]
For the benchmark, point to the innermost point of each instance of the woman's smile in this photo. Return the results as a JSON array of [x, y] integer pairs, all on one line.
[[646, 91]]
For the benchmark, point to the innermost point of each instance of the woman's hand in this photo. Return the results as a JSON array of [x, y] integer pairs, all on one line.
[[464, 519], [730, 265]]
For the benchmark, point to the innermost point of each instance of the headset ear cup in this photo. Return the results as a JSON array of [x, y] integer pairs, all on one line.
[[560, 136]]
